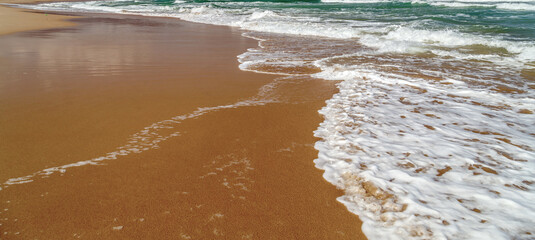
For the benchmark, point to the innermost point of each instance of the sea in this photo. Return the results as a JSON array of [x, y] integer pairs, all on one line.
[[432, 132]]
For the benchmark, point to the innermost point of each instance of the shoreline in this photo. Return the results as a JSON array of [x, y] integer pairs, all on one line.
[[264, 151]]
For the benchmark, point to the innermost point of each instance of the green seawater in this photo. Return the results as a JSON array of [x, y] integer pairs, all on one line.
[[514, 25]]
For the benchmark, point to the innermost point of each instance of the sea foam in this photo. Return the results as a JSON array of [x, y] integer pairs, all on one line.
[[421, 152], [422, 161]]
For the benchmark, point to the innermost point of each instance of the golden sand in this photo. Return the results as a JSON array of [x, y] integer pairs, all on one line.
[[77, 93], [17, 20]]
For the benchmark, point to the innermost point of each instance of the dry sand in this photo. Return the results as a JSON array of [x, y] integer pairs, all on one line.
[[76, 93], [16, 20]]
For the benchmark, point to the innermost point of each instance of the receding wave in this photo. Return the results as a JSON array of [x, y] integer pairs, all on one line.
[[148, 138]]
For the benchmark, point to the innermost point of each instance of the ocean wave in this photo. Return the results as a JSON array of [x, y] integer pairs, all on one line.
[[405, 37]]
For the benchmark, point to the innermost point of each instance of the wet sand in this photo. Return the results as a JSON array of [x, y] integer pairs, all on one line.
[[76, 93]]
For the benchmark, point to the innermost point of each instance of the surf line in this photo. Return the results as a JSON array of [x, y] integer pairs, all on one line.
[[149, 137]]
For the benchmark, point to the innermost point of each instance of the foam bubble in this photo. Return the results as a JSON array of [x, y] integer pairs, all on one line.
[[354, 1], [516, 6], [411, 40], [148, 138], [420, 160]]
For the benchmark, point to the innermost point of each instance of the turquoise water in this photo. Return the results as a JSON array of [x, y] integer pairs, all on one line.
[[491, 18], [435, 106]]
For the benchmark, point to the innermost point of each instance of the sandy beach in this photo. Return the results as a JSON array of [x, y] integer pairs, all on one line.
[[16, 20], [76, 88]]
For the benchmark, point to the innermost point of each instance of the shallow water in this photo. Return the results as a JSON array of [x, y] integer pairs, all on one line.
[[431, 135]]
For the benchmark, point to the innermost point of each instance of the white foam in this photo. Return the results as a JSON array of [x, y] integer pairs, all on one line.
[[411, 40], [264, 14], [148, 138], [458, 4], [516, 6], [403, 156], [522, 5], [354, 1]]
